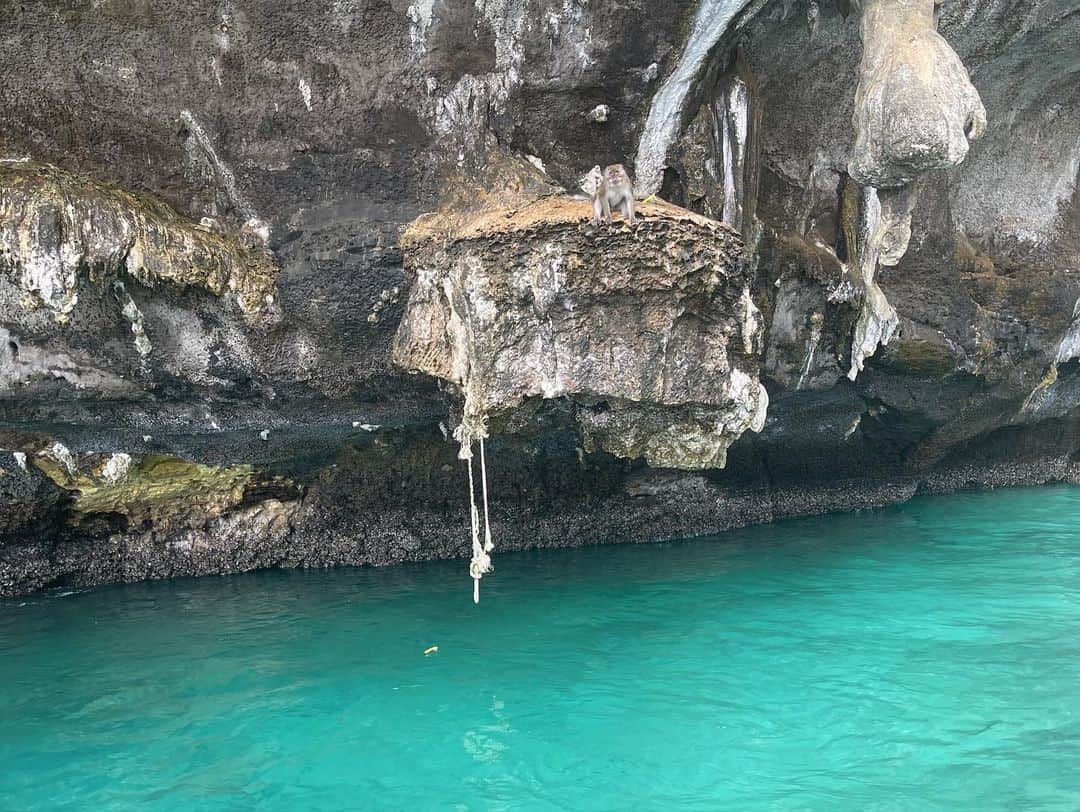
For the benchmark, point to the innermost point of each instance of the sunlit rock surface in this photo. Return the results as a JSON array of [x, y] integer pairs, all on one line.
[[648, 328]]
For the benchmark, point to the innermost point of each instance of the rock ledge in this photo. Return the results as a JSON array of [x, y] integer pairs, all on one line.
[[650, 330]]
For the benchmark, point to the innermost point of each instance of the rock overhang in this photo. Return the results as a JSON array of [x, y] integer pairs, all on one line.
[[57, 227], [650, 330]]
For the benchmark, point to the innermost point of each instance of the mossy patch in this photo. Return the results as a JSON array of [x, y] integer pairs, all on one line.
[[155, 487]]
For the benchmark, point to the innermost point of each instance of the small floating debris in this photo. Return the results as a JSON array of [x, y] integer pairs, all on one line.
[[431, 650]]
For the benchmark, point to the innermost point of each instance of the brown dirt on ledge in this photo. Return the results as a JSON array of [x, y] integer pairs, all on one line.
[[546, 211]]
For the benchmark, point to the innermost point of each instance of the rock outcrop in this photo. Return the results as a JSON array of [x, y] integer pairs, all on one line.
[[649, 329], [915, 106], [56, 228], [204, 271]]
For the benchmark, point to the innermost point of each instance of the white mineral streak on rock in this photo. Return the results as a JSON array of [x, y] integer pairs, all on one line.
[[457, 333], [573, 11], [539, 164], [878, 320], [853, 426], [58, 452], [419, 14], [665, 115], [20, 459], [1069, 348], [565, 29], [734, 125], [305, 93], [200, 149], [751, 322], [816, 322], [132, 313], [482, 310], [546, 281], [464, 110], [223, 43], [751, 402], [116, 468], [876, 326], [48, 271]]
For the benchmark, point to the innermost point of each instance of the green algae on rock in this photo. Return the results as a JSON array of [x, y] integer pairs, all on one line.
[[152, 486]]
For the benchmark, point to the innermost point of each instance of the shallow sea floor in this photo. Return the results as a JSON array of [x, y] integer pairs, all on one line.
[[925, 656]]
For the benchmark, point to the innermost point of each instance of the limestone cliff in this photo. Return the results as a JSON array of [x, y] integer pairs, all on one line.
[[649, 329], [213, 259]]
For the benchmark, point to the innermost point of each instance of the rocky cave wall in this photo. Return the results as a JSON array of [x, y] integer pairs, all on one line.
[[243, 411]]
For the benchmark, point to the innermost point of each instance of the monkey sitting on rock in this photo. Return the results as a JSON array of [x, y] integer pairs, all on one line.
[[615, 190]]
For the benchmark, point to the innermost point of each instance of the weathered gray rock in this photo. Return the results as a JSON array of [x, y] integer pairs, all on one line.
[[915, 106], [56, 228], [720, 151], [650, 328]]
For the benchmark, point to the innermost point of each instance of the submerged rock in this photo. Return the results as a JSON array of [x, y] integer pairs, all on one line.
[[648, 329]]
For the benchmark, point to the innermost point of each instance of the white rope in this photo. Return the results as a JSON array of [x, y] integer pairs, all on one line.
[[488, 546], [481, 560], [475, 566]]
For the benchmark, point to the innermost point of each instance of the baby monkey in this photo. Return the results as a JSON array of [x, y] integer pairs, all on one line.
[[615, 190]]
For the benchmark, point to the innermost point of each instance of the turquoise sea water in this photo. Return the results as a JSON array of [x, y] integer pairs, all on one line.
[[921, 657]]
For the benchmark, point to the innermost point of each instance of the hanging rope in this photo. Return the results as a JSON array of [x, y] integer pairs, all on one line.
[[476, 567], [473, 427], [488, 546], [481, 560]]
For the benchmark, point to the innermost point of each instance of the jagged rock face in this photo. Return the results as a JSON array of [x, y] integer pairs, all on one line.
[[649, 328], [328, 127]]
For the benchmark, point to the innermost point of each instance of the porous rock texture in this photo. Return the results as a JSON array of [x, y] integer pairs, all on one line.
[[229, 400], [648, 328]]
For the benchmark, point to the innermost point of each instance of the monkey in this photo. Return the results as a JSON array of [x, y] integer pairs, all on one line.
[[615, 190]]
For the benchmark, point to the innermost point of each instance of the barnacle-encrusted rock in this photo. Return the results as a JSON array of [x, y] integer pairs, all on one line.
[[56, 227], [650, 329]]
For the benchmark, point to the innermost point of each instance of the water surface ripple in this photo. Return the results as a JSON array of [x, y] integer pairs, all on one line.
[[925, 656]]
